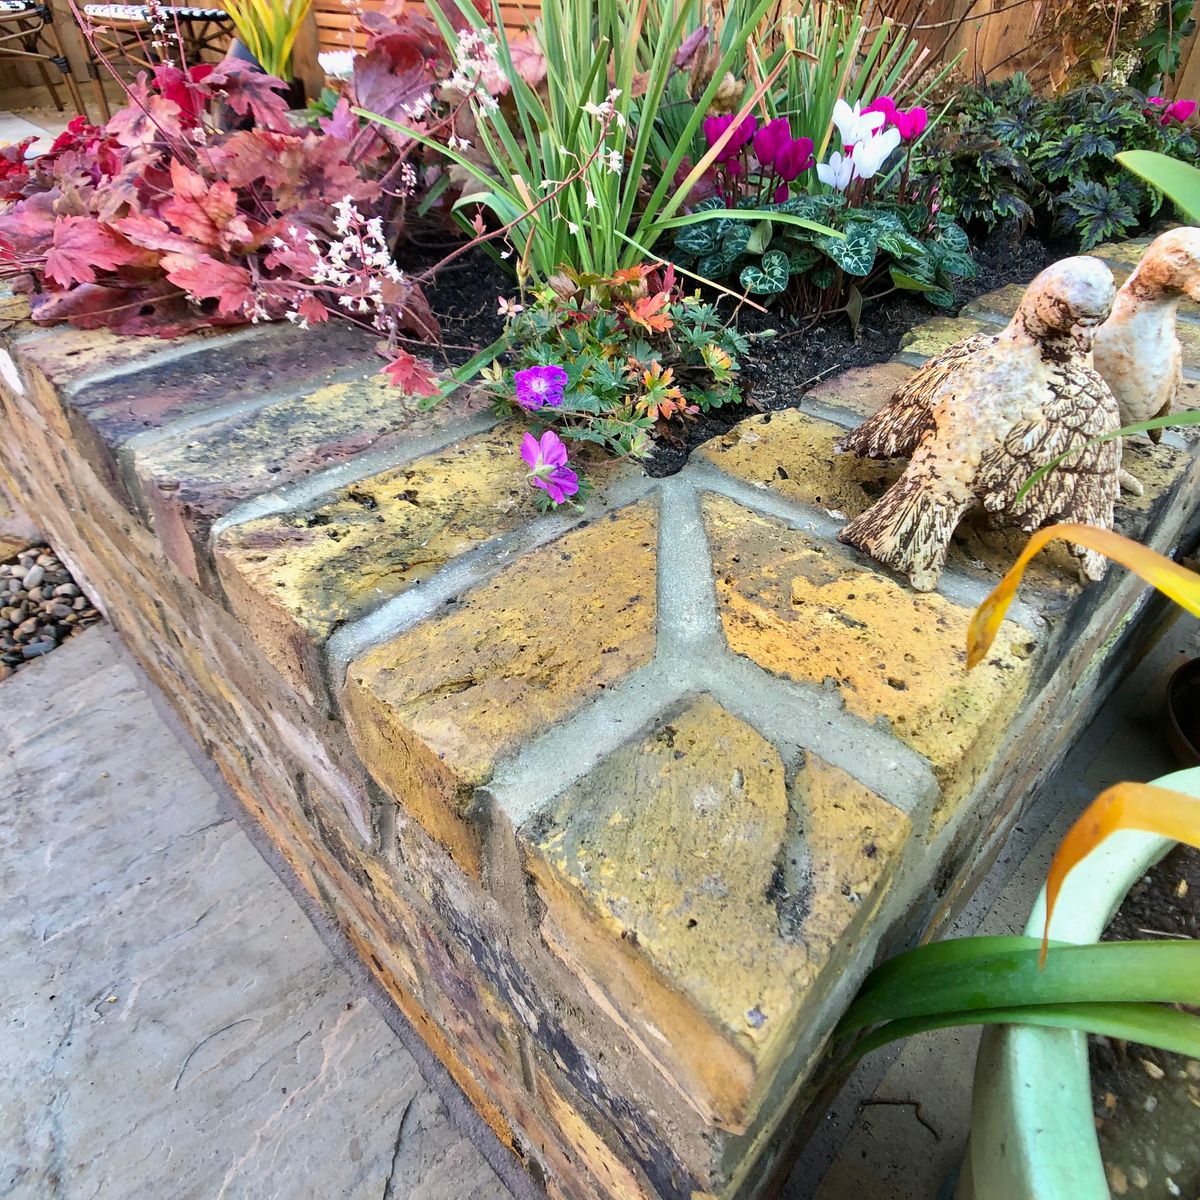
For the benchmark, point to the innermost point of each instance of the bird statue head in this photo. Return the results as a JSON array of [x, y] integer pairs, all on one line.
[[1071, 298], [1170, 267]]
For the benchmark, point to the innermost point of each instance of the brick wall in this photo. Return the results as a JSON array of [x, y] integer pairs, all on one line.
[[620, 806]]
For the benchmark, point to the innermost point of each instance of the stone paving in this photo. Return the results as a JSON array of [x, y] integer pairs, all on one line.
[[618, 805], [173, 1025]]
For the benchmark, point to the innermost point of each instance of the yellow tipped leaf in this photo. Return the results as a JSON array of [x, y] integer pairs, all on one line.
[[1123, 806], [1174, 581]]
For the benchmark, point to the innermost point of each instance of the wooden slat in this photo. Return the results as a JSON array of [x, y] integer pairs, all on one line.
[[338, 28]]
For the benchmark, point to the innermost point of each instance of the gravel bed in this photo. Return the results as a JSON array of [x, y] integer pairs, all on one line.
[[40, 607]]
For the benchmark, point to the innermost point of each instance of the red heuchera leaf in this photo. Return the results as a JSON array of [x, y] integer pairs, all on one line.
[[153, 234], [250, 93], [80, 247], [312, 310], [182, 88], [207, 213], [156, 309], [411, 375], [205, 278], [342, 123]]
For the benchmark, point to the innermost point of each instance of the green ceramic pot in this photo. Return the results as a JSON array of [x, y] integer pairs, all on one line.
[[1032, 1133]]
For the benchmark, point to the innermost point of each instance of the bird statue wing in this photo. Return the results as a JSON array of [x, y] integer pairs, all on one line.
[[1084, 487], [899, 425]]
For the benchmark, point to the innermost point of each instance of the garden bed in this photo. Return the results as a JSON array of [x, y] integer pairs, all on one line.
[[359, 613]]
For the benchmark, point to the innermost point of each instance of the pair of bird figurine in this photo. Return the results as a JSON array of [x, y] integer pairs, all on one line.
[[1077, 361]]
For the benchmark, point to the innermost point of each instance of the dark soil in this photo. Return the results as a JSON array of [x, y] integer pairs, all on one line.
[[1146, 1101], [779, 371]]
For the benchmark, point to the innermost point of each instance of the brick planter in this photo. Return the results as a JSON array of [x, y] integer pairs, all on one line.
[[619, 807]]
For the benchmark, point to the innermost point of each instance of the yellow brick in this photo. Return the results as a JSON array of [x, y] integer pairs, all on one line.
[[803, 610], [295, 577], [434, 708], [792, 455], [660, 872], [939, 334]]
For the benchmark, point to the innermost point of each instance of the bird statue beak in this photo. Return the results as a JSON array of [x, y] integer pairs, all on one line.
[[1084, 335]]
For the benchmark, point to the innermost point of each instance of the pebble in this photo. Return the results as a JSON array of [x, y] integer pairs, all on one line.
[[40, 606]]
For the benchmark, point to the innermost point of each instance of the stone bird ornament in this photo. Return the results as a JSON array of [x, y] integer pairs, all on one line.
[[980, 418], [1136, 349]]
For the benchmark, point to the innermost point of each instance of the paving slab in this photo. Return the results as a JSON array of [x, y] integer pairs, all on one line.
[[173, 1023]]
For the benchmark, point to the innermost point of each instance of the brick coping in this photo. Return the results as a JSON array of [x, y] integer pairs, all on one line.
[[619, 805]]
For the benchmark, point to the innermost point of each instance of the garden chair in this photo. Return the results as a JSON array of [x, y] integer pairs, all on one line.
[[28, 32], [124, 33]]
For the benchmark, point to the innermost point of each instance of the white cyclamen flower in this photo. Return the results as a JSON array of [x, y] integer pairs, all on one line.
[[855, 126], [837, 172], [870, 155]]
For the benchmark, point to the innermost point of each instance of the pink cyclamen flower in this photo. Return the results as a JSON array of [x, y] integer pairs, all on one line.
[[547, 462], [1156, 101], [770, 139], [885, 105], [714, 127], [538, 386], [1179, 111], [794, 159], [912, 123]]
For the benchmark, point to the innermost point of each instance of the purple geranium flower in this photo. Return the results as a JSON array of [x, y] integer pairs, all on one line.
[[547, 463], [538, 386]]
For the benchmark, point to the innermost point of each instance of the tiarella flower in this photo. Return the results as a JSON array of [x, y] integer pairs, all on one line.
[[337, 64], [870, 155], [911, 124], [770, 139], [537, 387], [508, 308], [794, 159], [837, 172], [458, 143], [546, 459], [854, 125]]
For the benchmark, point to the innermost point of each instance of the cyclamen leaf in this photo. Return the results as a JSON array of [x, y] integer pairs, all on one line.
[[855, 253], [81, 246], [411, 375], [768, 279]]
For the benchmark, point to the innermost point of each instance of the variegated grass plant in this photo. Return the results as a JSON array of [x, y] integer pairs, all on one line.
[[576, 173]]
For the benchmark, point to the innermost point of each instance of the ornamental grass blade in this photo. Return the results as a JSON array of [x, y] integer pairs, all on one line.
[[1174, 581], [1178, 180], [1147, 1024], [1140, 806]]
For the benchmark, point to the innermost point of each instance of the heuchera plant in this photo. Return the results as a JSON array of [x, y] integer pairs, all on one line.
[[160, 222], [606, 360]]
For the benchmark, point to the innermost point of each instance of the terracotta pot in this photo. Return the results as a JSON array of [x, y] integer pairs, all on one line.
[[1183, 713]]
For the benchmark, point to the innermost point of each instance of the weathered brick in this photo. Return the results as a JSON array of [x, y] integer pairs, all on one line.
[[702, 899], [187, 482], [804, 610], [432, 710], [940, 333], [296, 576], [17, 530], [275, 359], [861, 390], [792, 455]]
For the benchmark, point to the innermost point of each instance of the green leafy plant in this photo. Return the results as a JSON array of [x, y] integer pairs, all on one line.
[[886, 247], [1007, 154], [563, 170], [268, 29], [1162, 47], [634, 353]]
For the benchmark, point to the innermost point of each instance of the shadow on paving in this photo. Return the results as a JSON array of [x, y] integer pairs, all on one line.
[[173, 1023]]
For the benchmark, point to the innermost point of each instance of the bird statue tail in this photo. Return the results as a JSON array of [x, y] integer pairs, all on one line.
[[908, 528]]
